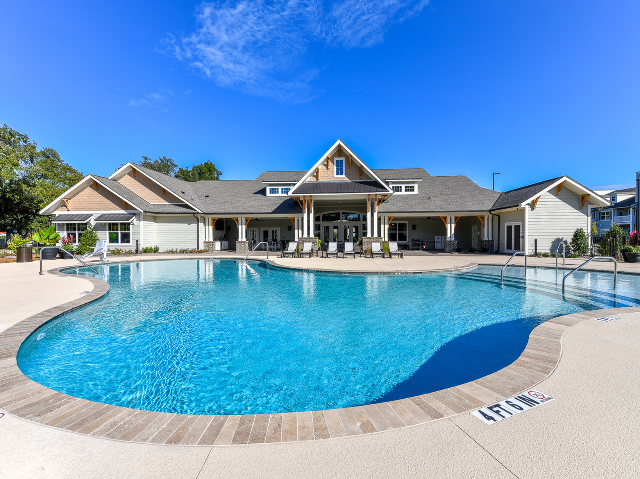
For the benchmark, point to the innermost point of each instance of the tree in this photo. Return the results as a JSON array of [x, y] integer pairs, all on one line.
[[594, 229], [203, 171], [579, 243], [611, 240], [161, 165], [29, 180]]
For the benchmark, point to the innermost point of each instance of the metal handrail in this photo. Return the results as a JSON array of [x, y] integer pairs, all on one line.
[[564, 254], [256, 247], [607, 258], [64, 251], [512, 256]]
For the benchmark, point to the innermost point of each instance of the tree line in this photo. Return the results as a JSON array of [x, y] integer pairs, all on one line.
[[32, 177]]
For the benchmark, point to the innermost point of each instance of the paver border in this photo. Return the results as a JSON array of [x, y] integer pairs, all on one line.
[[26, 399]]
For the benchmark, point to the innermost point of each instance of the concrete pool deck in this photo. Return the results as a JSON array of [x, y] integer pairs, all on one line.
[[587, 431]]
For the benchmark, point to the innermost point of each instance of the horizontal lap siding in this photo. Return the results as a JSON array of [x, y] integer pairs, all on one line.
[[175, 232], [149, 231], [516, 216], [556, 218]]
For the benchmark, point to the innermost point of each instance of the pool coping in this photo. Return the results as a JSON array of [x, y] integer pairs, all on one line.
[[29, 400]]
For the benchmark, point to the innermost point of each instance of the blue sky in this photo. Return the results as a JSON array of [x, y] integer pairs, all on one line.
[[530, 89]]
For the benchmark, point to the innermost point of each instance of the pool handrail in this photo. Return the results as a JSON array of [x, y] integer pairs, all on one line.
[[509, 261], [564, 254], [256, 247], [64, 251], [606, 258]]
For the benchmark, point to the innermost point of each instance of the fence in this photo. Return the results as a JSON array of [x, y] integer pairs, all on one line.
[[603, 246]]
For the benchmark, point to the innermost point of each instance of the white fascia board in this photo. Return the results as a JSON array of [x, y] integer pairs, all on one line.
[[354, 157], [404, 181], [278, 182], [131, 165], [66, 193], [575, 185]]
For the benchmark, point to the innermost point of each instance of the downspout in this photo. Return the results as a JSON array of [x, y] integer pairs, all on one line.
[[197, 230], [492, 214]]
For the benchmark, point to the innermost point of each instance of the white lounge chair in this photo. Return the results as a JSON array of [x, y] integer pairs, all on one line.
[[332, 249], [100, 249], [393, 249], [348, 249], [376, 249], [306, 249], [291, 249]]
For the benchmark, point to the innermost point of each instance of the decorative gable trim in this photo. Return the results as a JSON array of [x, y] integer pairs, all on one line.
[[566, 181]]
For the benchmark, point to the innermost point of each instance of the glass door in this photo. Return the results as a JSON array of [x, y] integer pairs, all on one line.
[[512, 235]]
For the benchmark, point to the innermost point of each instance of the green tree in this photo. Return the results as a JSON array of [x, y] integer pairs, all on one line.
[[30, 178], [614, 235], [203, 171], [594, 229], [87, 241], [579, 243], [161, 165]]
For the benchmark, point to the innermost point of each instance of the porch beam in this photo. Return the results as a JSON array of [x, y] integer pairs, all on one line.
[[481, 218], [297, 198], [445, 221]]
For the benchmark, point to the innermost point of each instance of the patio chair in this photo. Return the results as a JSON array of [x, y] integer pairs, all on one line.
[[306, 249], [393, 249], [348, 249], [100, 249], [291, 250], [376, 248], [332, 249]]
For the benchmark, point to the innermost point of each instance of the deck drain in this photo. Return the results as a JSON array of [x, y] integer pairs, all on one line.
[[607, 319], [84, 292]]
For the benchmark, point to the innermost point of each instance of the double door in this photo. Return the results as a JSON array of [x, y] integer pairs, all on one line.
[[340, 232], [513, 237]]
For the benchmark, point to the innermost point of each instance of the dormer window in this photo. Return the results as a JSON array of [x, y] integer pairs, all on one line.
[[285, 191], [274, 191], [404, 188], [614, 198], [339, 167], [397, 188], [282, 189]]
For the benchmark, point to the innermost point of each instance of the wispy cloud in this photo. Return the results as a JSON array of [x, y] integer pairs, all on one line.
[[259, 47], [152, 99]]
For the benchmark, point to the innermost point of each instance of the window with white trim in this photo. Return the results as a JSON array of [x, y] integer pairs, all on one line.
[[339, 166], [285, 191], [605, 215], [397, 188], [119, 233], [278, 190], [76, 230], [274, 191], [409, 189]]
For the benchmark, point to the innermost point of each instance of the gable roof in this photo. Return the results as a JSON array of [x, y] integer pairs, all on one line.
[[281, 176], [525, 194], [342, 145], [401, 173]]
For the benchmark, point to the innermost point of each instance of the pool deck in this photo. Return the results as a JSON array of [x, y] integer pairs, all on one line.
[[589, 430]]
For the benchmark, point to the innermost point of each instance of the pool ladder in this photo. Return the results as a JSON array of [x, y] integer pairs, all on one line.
[[517, 253]]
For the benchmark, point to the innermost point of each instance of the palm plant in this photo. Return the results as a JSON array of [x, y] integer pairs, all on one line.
[[48, 237]]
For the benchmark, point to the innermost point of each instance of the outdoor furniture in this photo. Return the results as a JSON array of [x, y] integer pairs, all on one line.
[[376, 248], [291, 250], [98, 250], [348, 249], [393, 249], [306, 249], [332, 249]]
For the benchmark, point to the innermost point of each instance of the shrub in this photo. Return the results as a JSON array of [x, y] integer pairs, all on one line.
[[117, 251], [546, 255], [594, 229], [385, 247], [634, 238], [15, 242], [614, 234], [88, 241], [472, 250], [150, 249], [579, 243], [67, 243], [47, 237]]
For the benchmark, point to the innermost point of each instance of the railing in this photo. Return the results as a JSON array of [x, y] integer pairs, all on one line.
[[64, 251], [256, 247], [623, 219], [517, 253], [597, 258], [564, 254]]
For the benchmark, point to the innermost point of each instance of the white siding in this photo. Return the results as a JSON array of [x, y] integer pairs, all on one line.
[[499, 235], [148, 231], [175, 232], [556, 218]]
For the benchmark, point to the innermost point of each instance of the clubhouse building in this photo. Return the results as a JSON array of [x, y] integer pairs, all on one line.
[[338, 199]]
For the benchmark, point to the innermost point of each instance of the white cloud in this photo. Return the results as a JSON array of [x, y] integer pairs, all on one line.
[[259, 47], [151, 99]]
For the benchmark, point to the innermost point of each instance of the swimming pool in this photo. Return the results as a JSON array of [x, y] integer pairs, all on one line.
[[212, 336]]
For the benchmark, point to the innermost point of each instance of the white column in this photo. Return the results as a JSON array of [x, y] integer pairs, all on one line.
[[526, 230], [486, 227], [369, 216], [305, 227], [453, 228], [311, 218], [296, 227], [375, 217], [239, 228]]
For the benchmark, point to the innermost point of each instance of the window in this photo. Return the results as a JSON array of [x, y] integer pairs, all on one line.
[[285, 191], [409, 189], [605, 215], [623, 212], [397, 189], [331, 217], [339, 162], [76, 230], [119, 233], [398, 231], [404, 189], [350, 217], [614, 198], [274, 191]]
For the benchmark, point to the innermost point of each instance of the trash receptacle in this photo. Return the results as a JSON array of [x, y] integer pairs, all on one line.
[[24, 254]]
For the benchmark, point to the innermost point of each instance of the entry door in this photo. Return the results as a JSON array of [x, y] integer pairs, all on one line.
[[270, 234], [512, 236]]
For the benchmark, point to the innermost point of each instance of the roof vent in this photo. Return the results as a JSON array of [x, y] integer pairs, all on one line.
[[206, 196], [182, 192]]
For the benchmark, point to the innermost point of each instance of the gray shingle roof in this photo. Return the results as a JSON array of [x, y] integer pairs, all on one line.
[[122, 217], [293, 176], [442, 194], [515, 197], [71, 218], [401, 173], [338, 187], [624, 203]]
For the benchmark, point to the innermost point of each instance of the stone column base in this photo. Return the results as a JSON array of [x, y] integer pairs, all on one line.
[[309, 239], [209, 246], [450, 246], [367, 240], [242, 247], [489, 246]]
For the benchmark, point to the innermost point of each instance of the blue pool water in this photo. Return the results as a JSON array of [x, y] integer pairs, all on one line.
[[212, 336]]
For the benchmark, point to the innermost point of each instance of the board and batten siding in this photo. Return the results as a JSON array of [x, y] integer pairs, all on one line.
[[556, 218]]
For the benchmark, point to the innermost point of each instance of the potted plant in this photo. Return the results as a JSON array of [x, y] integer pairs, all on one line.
[[47, 237], [631, 252], [18, 246]]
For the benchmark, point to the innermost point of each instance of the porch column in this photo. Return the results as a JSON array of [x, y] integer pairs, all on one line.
[[311, 219], [452, 228], [375, 216], [368, 215], [490, 227], [296, 227], [239, 218], [305, 226], [486, 228]]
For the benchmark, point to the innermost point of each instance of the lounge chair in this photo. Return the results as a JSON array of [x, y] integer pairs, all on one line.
[[100, 249], [348, 249], [291, 250], [376, 249], [332, 249], [306, 249], [393, 249]]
